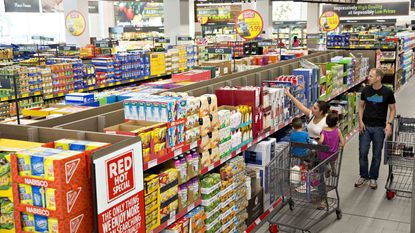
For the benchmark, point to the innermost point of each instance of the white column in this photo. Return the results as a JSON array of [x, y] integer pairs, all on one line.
[[264, 7], [106, 17], [313, 18], [82, 7], [172, 19]]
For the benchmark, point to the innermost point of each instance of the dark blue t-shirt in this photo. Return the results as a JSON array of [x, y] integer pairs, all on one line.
[[301, 137]]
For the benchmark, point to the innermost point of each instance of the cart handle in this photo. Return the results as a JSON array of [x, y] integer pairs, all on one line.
[[322, 148]]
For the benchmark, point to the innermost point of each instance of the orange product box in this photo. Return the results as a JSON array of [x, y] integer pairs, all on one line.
[[70, 186], [73, 223], [192, 76]]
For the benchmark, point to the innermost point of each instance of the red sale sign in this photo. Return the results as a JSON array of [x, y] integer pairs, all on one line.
[[119, 184], [120, 175]]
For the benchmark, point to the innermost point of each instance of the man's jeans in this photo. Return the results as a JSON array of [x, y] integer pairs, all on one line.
[[376, 135]]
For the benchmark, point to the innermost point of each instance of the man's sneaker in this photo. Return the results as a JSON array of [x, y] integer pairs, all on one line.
[[373, 184], [361, 181]]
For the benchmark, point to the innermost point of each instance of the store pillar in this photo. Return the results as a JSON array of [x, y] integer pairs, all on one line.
[[264, 7], [313, 18], [177, 19], [76, 22], [106, 17]]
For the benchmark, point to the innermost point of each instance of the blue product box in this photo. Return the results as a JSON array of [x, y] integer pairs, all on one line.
[[91, 104], [79, 98], [41, 223], [39, 196], [307, 74]]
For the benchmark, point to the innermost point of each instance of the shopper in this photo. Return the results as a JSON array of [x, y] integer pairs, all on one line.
[[301, 136], [376, 99], [332, 137], [296, 42], [316, 115]]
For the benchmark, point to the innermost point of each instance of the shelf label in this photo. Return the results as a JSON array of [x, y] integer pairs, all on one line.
[[4, 98], [118, 83], [211, 167], [193, 145], [184, 38], [25, 95], [60, 94], [190, 207], [162, 40], [152, 163], [101, 86], [132, 80], [37, 93], [172, 219], [267, 43], [178, 152], [90, 88], [111, 84]]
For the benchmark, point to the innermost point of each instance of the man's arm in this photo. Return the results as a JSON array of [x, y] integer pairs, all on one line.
[[392, 114], [360, 114]]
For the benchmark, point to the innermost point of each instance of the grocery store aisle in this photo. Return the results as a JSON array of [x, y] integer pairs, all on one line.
[[366, 210]]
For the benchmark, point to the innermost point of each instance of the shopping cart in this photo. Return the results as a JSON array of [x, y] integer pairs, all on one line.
[[303, 191], [399, 154]]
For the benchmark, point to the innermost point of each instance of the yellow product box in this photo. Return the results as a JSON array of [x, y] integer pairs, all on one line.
[[151, 183], [63, 144], [48, 163], [53, 225], [152, 216], [151, 207], [25, 194], [151, 197], [50, 199], [28, 222]]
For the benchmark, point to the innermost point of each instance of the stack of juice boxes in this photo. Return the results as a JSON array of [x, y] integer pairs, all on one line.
[[52, 189]]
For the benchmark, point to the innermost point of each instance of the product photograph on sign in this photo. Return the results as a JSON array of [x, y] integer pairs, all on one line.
[[75, 23], [249, 24], [329, 21]]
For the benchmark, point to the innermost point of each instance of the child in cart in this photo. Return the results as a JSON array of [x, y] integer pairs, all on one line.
[[301, 136], [332, 137]]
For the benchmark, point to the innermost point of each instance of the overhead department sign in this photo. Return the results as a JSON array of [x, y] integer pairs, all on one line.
[[369, 9]]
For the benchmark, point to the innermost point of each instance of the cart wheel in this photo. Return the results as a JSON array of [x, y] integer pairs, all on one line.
[[390, 195], [273, 228], [339, 214], [291, 204]]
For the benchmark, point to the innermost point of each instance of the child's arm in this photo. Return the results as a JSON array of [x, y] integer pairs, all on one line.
[[342, 142], [321, 140]]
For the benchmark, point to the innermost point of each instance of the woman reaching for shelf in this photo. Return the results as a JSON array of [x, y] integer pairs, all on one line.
[[316, 115]]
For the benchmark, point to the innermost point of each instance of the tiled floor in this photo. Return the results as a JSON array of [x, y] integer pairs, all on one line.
[[366, 210]]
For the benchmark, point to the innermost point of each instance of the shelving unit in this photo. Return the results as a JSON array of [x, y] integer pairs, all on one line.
[[286, 30]]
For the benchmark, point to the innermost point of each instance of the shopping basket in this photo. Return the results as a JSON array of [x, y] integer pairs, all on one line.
[[304, 190], [399, 155]]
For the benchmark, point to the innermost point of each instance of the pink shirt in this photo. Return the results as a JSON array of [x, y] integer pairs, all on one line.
[[332, 140]]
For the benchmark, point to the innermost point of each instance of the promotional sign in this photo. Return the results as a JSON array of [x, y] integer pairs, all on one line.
[[75, 23], [267, 43], [139, 13], [249, 24], [52, 6], [119, 189], [329, 21], [369, 9], [93, 7], [21, 6]]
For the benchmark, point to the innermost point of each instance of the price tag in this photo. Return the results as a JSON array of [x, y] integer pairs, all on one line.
[[178, 152], [4, 98], [190, 207], [146, 77], [25, 95], [37, 93], [211, 167], [257, 221], [118, 83], [238, 151], [81, 90], [172, 219], [184, 38], [60, 94], [101, 86], [193, 145], [132, 80], [91, 88], [49, 96], [111, 84], [152, 163]]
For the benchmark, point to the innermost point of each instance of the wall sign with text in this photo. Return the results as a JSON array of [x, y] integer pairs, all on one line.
[[369, 9], [249, 24], [21, 6], [119, 189]]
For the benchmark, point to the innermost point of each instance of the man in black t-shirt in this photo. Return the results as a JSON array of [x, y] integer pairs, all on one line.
[[374, 124]]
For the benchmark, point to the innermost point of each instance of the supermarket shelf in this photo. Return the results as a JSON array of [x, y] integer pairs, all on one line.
[[176, 217], [92, 88], [263, 216], [245, 147], [170, 155], [350, 135], [21, 96], [347, 89]]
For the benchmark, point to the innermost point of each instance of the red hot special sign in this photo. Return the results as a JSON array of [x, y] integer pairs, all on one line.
[[120, 191]]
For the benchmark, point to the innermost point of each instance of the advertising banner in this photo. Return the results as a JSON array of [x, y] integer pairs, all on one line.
[[93, 7], [52, 6], [249, 24], [21, 5], [119, 189], [139, 14], [329, 21], [369, 9], [75, 23]]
